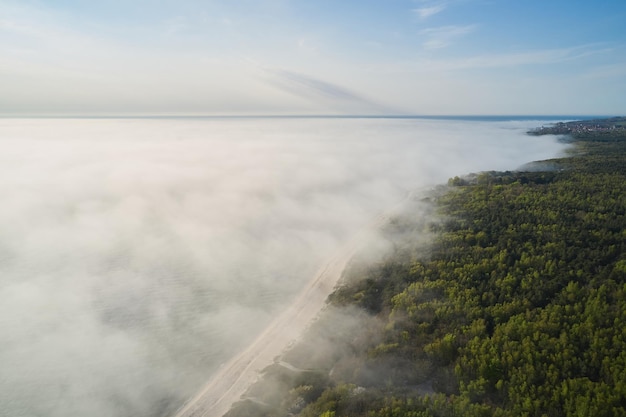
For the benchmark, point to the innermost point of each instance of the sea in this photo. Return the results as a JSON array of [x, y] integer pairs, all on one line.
[[139, 254]]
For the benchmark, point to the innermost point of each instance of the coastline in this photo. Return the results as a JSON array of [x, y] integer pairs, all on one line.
[[443, 323], [234, 378]]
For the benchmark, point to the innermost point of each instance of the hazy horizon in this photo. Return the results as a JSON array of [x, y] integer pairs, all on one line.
[[466, 117], [324, 57]]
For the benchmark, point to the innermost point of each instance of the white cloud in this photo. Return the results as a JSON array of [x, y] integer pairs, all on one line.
[[535, 57], [428, 11], [308, 45], [176, 25], [441, 37]]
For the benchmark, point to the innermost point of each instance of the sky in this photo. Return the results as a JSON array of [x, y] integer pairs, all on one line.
[[285, 57]]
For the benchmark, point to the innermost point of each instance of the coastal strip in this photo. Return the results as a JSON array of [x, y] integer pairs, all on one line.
[[233, 379]]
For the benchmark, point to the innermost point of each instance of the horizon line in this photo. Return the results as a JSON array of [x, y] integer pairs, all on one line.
[[300, 116]]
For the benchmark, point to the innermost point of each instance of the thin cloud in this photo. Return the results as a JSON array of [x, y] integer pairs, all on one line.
[[310, 88], [536, 57], [308, 45], [428, 11], [441, 37], [617, 71], [429, 8], [176, 25], [304, 85]]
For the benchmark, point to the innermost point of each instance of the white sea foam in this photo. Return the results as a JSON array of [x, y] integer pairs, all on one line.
[[137, 255]]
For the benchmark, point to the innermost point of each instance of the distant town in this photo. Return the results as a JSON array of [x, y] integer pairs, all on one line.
[[601, 127]]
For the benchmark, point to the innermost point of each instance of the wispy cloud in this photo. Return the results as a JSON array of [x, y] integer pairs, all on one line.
[[613, 71], [304, 85], [309, 45], [176, 25], [46, 33], [535, 57], [428, 8], [329, 94], [441, 37]]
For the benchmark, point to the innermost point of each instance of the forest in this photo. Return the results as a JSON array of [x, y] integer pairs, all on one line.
[[515, 305]]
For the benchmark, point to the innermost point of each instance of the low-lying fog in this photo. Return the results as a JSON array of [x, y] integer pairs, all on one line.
[[137, 255]]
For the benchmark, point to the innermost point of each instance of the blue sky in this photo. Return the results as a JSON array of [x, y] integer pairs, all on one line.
[[313, 57]]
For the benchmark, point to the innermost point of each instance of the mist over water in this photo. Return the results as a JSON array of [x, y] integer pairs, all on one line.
[[137, 255]]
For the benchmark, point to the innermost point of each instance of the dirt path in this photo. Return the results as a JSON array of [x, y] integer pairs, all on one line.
[[233, 379]]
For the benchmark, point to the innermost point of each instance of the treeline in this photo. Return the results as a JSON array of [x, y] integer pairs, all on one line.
[[518, 308], [599, 129]]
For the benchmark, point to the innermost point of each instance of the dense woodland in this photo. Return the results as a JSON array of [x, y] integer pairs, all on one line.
[[516, 307]]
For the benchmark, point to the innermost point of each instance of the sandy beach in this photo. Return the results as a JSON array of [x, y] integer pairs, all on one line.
[[236, 376]]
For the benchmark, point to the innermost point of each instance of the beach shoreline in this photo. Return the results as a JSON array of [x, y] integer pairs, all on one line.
[[234, 378]]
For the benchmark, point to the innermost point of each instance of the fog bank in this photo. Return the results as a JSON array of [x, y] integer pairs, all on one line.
[[138, 255]]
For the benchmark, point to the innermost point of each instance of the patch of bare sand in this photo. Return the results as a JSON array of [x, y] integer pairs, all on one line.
[[235, 377]]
